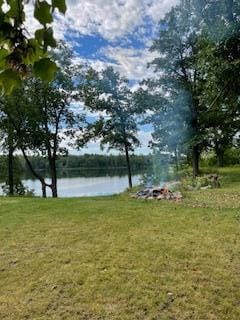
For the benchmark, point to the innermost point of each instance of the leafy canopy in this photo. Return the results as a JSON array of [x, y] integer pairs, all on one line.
[[20, 53], [108, 94]]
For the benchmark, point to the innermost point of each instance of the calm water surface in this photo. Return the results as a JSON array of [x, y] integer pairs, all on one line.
[[86, 187]]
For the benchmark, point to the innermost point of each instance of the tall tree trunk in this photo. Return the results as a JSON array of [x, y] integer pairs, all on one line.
[[54, 188], [54, 178], [128, 167], [219, 150], [195, 160], [10, 159], [10, 170], [220, 160]]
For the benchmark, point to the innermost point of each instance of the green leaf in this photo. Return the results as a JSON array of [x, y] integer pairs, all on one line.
[[3, 54], [45, 37], [45, 69], [49, 39], [42, 12], [32, 53], [9, 80], [39, 35], [16, 10], [60, 4]]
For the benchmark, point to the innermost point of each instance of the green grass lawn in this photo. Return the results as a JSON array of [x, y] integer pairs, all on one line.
[[120, 258]]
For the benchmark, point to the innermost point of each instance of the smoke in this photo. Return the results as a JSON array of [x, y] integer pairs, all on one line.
[[194, 33], [171, 137]]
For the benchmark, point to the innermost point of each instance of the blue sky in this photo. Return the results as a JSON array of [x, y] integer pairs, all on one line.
[[112, 32]]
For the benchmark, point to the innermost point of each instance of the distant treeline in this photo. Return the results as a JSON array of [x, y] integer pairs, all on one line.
[[81, 162], [91, 161]]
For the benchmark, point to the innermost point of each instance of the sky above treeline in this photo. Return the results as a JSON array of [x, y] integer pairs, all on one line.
[[111, 32]]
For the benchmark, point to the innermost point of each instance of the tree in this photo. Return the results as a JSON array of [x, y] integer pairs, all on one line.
[[16, 111], [20, 53], [41, 123], [198, 58], [218, 61], [42, 118], [177, 46], [17, 188], [169, 118], [54, 120], [109, 94]]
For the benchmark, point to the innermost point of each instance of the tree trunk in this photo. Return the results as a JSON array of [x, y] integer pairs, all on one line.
[[10, 171], [54, 188], [220, 160], [53, 169], [195, 160], [36, 175], [41, 179], [128, 167], [220, 157], [10, 158], [44, 189], [219, 150]]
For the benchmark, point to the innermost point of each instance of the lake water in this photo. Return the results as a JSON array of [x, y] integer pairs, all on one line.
[[86, 186]]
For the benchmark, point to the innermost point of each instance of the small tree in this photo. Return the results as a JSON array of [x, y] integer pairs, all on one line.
[[42, 118], [109, 94], [52, 122], [17, 116]]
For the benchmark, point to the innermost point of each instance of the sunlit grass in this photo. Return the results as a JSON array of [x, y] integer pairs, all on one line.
[[120, 258]]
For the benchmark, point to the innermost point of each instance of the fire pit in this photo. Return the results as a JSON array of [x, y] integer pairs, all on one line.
[[158, 193]]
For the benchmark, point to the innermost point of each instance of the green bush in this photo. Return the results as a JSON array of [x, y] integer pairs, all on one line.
[[191, 183], [19, 190], [231, 157]]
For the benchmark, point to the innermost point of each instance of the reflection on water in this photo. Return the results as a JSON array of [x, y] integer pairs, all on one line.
[[84, 187], [98, 182], [86, 173]]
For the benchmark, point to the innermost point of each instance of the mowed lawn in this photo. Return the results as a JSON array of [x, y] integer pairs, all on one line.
[[123, 259]]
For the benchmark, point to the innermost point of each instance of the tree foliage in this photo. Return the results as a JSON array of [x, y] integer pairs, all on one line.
[[195, 95], [42, 118], [21, 53], [108, 94]]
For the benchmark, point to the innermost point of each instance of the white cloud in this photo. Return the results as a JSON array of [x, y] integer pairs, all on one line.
[[130, 62], [158, 8], [111, 19], [96, 64]]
